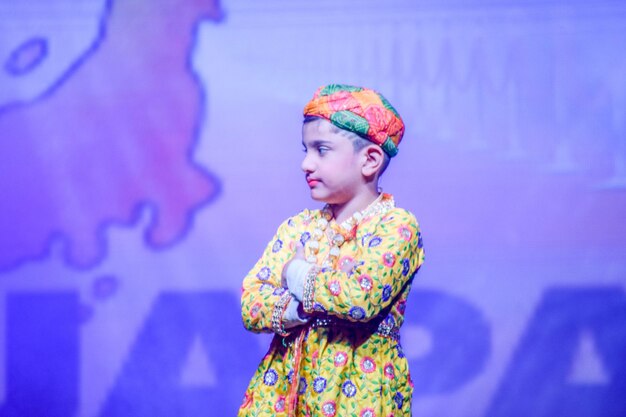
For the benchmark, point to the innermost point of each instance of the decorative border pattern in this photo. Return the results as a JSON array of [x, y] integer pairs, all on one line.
[[278, 312], [309, 288]]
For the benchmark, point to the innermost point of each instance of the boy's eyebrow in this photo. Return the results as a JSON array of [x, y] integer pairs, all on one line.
[[317, 142]]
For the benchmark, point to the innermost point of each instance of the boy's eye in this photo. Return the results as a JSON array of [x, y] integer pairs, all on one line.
[[322, 150]]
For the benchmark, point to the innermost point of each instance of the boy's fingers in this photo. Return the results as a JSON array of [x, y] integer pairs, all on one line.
[[299, 252]]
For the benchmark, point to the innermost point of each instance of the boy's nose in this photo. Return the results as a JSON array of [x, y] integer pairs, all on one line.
[[307, 164]]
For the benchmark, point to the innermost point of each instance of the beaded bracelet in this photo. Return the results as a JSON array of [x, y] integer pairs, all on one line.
[[309, 288], [278, 312]]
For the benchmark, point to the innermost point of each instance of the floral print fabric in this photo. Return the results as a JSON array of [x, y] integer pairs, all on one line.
[[347, 368]]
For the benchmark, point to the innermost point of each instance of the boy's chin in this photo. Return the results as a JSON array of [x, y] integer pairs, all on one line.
[[319, 197], [324, 198]]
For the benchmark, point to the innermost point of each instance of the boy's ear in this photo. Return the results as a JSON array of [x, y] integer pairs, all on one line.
[[374, 158]]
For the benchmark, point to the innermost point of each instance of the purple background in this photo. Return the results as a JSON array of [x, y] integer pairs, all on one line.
[[150, 148]]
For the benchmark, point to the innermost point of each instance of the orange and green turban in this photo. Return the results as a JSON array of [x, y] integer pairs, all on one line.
[[359, 110]]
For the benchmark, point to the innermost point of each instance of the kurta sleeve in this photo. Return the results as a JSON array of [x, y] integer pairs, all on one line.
[[263, 299], [389, 253]]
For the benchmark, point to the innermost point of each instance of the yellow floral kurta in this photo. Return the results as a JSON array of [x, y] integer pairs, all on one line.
[[347, 361]]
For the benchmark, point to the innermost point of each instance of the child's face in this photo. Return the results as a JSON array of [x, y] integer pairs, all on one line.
[[331, 165]]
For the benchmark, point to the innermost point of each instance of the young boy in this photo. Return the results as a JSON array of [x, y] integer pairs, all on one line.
[[333, 283]]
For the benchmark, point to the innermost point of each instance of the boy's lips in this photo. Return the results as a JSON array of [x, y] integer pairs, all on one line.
[[312, 182]]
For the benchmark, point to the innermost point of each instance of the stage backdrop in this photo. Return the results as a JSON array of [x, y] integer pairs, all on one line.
[[150, 148]]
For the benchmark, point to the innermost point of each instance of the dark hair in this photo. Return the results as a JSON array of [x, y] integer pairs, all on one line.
[[358, 142]]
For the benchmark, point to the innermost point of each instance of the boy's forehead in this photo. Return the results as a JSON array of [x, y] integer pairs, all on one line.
[[321, 131]]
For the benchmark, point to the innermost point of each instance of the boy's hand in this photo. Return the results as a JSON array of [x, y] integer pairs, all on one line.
[[294, 315], [299, 254]]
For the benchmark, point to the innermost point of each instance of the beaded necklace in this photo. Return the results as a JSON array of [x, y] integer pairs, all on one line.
[[338, 234]]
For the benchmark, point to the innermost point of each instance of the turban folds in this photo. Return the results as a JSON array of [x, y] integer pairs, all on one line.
[[359, 110]]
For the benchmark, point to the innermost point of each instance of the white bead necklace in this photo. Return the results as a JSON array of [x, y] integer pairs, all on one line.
[[346, 230]]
